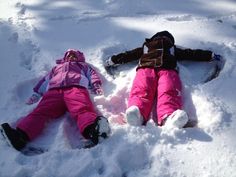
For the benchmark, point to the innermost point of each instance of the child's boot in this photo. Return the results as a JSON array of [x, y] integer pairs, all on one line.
[[97, 131], [133, 116], [178, 118], [15, 137]]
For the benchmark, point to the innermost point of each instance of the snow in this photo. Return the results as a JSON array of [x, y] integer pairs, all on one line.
[[35, 33]]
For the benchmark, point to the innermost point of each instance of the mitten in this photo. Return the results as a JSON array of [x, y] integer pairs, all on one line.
[[109, 62], [35, 97], [109, 66], [218, 59], [97, 88]]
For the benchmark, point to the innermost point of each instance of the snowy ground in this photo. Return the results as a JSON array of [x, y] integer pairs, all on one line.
[[35, 33]]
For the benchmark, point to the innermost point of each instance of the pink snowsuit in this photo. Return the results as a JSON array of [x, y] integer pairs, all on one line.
[[163, 84], [67, 88]]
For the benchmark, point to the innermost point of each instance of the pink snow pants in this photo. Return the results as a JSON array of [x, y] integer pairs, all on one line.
[[161, 85], [54, 104]]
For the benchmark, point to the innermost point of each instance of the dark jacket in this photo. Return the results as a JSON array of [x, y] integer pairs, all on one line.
[[161, 52]]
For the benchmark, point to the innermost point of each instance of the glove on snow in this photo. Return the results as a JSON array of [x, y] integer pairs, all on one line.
[[109, 62], [218, 59], [35, 97], [97, 88]]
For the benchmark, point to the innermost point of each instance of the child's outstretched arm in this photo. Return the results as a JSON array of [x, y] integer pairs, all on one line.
[[124, 57], [39, 89], [199, 55], [193, 54], [94, 81], [202, 55]]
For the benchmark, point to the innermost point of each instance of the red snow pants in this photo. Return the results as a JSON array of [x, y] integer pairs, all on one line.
[[54, 104], [162, 85]]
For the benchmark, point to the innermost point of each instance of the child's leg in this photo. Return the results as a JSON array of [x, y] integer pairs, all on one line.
[[169, 96], [51, 106], [143, 91], [80, 107]]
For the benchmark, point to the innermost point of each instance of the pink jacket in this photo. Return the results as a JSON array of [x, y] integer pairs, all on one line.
[[69, 73]]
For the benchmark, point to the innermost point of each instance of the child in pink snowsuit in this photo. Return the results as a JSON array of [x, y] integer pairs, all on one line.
[[67, 90], [157, 79]]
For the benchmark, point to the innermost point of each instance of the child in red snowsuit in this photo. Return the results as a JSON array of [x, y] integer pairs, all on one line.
[[157, 79], [67, 90]]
